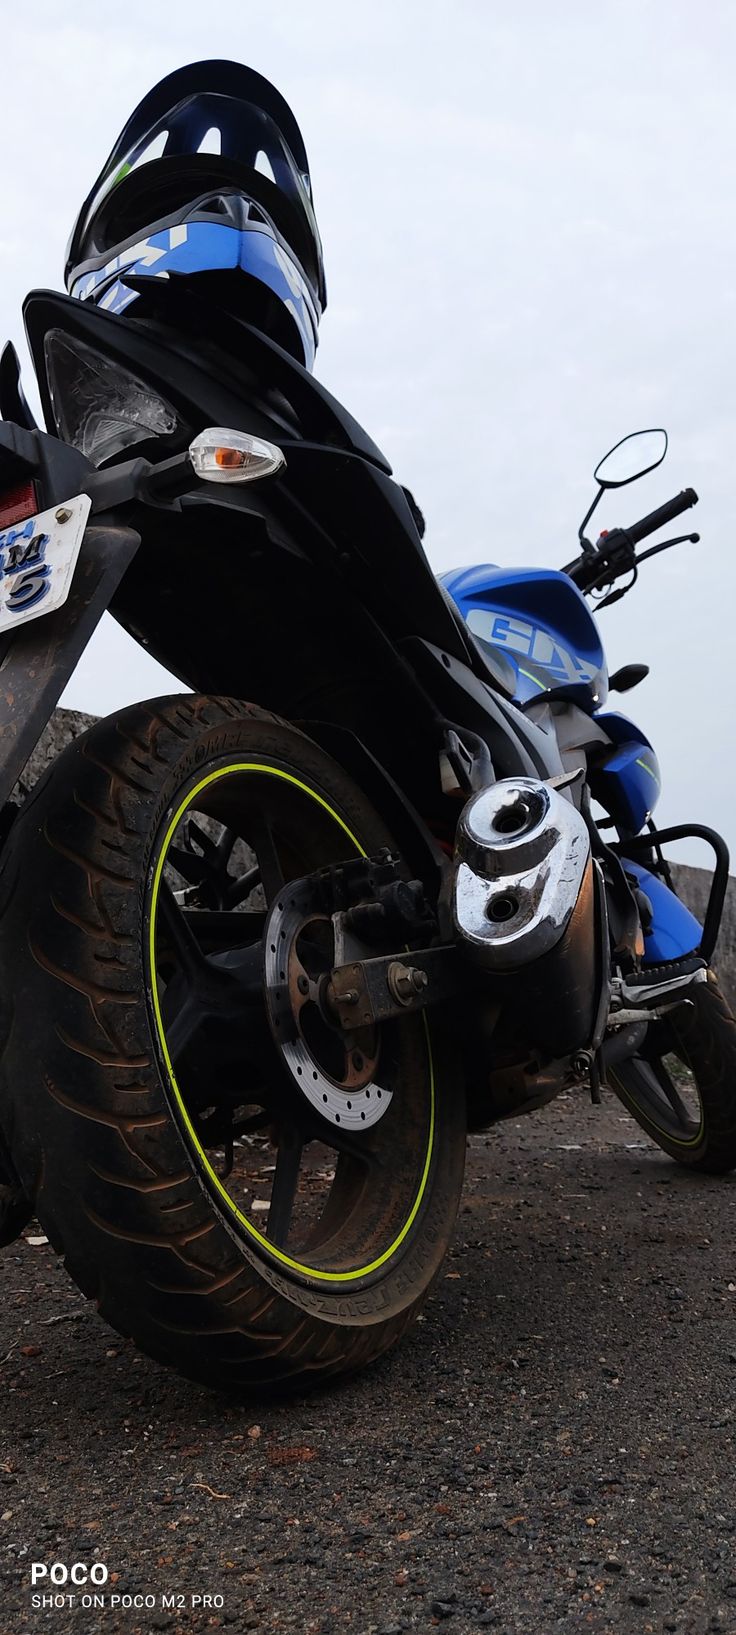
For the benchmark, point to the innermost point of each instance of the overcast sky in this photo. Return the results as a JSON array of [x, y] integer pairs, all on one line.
[[530, 240]]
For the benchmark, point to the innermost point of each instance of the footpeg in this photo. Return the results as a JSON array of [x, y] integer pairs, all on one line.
[[641, 998]]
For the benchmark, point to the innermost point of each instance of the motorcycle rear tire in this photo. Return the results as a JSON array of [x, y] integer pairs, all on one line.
[[89, 1108]]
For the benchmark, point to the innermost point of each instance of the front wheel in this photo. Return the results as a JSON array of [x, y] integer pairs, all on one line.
[[681, 1087], [251, 1207]]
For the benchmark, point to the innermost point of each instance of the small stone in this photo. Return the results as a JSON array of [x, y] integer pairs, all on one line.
[[441, 1609]]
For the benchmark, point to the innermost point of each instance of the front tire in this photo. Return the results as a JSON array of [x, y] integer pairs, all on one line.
[[148, 1111], [681, 1089]]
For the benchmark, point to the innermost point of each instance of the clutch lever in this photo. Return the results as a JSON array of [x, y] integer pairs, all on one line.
[[681, 539], [654, 550]]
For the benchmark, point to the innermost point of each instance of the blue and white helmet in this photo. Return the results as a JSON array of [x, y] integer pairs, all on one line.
[[209, 176]]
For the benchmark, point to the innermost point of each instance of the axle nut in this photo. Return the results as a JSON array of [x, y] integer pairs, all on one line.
[[406, 982]]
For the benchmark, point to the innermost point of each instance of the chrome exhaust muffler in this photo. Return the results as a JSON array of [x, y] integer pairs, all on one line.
[[521, 854], [523, 906]]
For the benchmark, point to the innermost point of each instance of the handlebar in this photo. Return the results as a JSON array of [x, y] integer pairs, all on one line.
[[663, 514], [615, 552]]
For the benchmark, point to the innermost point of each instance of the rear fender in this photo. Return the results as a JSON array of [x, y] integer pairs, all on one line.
[[42, 655], [38, 659]]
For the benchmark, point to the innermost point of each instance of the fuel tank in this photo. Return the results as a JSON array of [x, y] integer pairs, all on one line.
[[540, 620]]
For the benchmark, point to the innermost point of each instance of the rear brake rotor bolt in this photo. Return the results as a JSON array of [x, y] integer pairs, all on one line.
[[302, 983], [357, 1060]]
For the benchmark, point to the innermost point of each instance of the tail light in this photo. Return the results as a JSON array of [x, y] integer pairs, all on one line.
[[98, 405], [18, 503]]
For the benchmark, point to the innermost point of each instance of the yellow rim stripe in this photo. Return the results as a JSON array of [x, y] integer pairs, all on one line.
[[271, 1249]]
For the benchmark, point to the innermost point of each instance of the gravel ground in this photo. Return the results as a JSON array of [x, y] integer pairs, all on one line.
[[551, 1449]]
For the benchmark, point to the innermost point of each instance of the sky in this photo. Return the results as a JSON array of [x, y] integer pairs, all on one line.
[[528, 220]]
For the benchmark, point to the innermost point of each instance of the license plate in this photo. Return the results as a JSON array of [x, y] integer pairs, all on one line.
[[37, 561]]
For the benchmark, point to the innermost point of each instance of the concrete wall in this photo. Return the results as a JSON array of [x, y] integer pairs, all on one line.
[[692, 884], [63, 726]]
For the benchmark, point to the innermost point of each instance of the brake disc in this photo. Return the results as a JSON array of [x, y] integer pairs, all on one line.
[[334, 1071]]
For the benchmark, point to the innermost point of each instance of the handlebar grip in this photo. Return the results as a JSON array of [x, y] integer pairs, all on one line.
[[664, 514]]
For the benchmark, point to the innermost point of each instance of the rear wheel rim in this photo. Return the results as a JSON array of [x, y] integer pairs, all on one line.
[[380, 1178]]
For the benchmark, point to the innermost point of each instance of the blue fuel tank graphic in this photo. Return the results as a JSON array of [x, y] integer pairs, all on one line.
[[540, 620]]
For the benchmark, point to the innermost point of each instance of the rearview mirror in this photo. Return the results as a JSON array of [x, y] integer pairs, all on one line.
[[633, 457]]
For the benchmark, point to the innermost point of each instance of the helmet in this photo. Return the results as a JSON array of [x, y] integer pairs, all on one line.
[[210, 175]]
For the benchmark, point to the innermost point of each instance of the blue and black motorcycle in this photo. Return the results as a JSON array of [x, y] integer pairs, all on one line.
[[385, 872]]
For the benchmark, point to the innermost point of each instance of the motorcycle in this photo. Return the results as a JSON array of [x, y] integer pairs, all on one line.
[[386, 873]]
